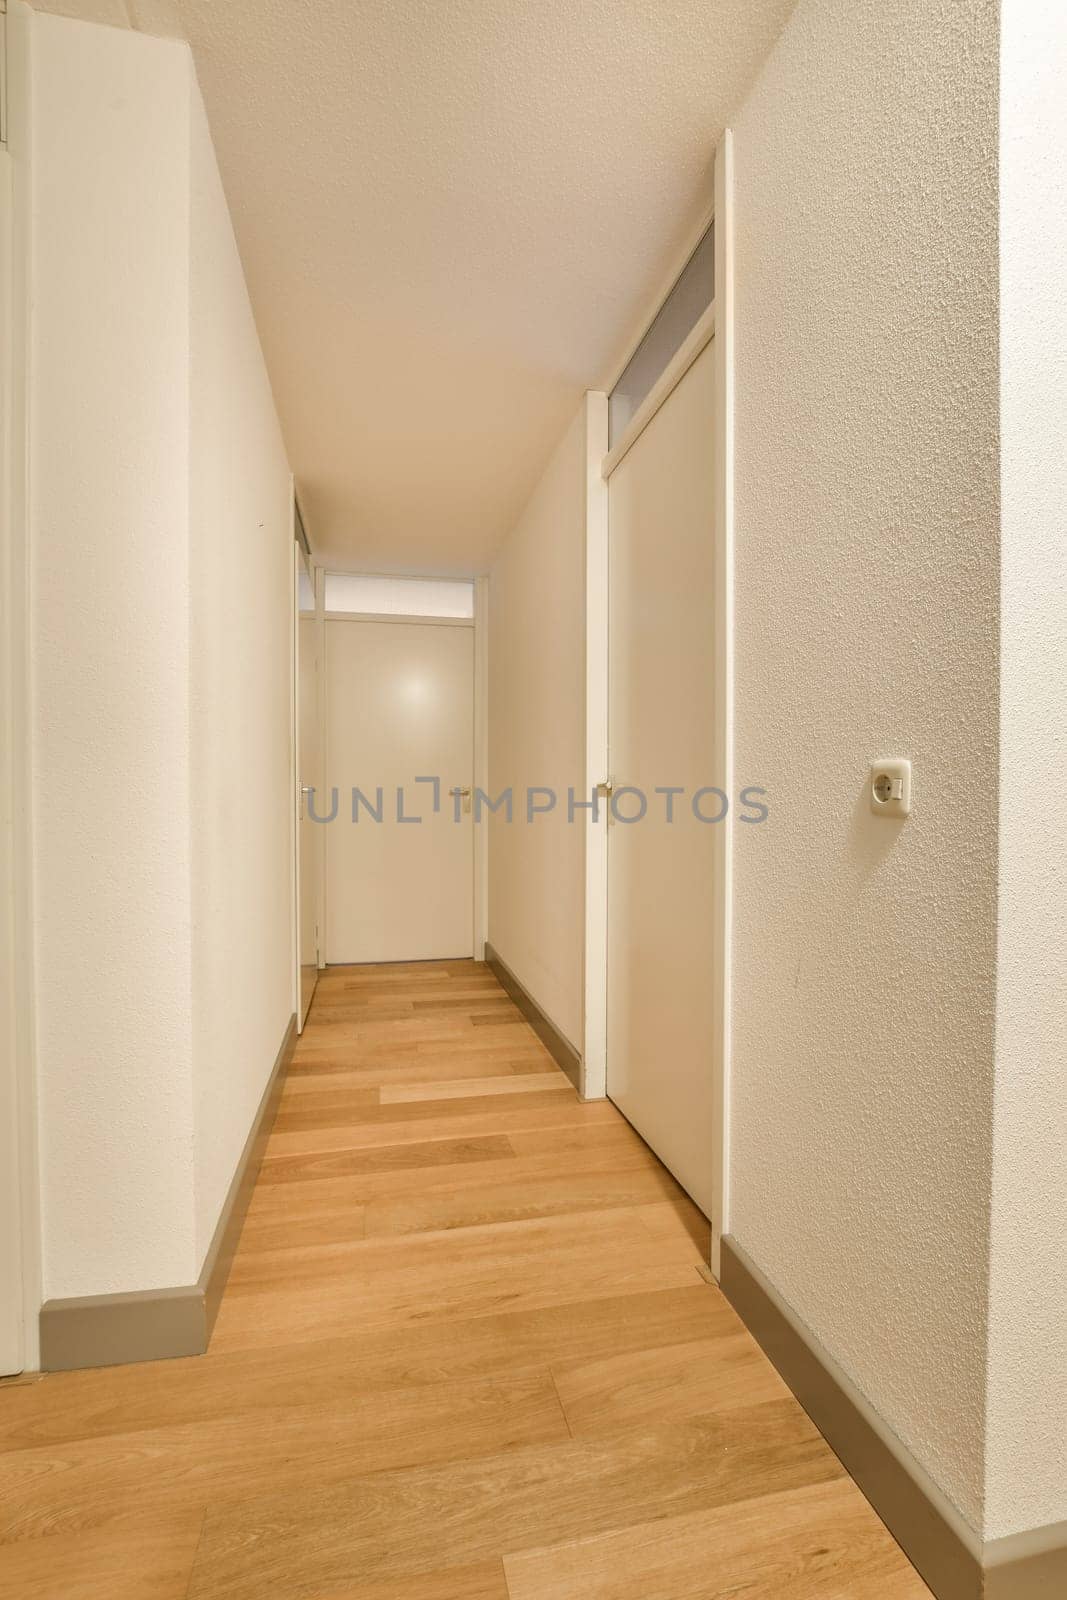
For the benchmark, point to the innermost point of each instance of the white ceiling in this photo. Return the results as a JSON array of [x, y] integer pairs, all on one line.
[[452, 214]]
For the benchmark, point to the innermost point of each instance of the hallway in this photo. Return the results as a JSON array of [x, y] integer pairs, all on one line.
[[466, 1353]]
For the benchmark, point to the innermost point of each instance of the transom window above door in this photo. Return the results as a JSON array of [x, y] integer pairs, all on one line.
[[367, 594], [692, 294]]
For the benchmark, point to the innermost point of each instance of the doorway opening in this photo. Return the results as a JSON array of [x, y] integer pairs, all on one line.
[[659, 698], [401, 718], [308, 755]]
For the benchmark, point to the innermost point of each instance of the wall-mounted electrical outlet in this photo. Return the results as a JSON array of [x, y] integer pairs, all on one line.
[[891, 788]]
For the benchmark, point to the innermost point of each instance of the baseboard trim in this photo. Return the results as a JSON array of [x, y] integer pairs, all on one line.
[[102, 1330], [1027, 1566], [560, 1049], [942, 1547], [930, 1531], [161, 1324], [215, 1272]]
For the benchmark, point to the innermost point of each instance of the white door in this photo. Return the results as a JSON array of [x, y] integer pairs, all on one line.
[[400, 708], [309, 777], [662, 942]]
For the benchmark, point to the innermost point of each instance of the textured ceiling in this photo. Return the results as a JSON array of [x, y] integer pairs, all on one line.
[[452, 216]]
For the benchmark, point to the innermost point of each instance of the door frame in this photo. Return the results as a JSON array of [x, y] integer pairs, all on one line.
[[479, 624], [294, 746], [302, 549], [716, 326], [481, 761], [18, 1079]]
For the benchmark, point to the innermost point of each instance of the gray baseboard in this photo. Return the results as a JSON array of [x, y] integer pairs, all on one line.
[[160, 1324], [223, 1247], [1027, 1566], [942, 1547], [559, 1048]]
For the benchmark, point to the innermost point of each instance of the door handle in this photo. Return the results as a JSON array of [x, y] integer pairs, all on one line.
[[466, 797], [305, 790]]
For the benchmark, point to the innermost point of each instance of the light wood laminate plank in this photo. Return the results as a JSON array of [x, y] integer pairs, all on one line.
[[683, 1380], [382, 1157], [370, 1109], [412, 1069], [419, 1520], [455, 1121], [483, 1582], [152, 1562], [821, 1542], [465, 1088], [524, 1198], [268, 1451]]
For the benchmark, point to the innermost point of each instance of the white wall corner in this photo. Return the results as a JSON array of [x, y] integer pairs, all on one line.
[[537, 736], [1026, 1400], [162, 572]]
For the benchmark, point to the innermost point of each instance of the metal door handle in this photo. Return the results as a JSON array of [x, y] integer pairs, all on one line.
[[466, 797]]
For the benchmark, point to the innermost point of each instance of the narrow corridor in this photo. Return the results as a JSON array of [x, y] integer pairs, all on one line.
[[466, 1353]]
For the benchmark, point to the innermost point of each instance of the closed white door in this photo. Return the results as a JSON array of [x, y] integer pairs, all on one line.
[[400, 709], [662, 942], [309, 774]]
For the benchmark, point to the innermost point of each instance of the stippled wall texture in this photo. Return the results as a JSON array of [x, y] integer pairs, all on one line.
[[241, 573], [866, 626], [537, 735], [162, 549], [109, 431]]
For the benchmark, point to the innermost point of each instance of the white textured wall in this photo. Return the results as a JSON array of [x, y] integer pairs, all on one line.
[[537, 737], [162, 563], [866, 625], [1027, 1442], [241, 574], [109, 430]]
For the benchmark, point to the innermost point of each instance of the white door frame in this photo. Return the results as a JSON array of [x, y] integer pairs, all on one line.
[[594, 1073], [319, 575], [480, 624], [717, 326], [18, 1158], [294, 757], [294, 748], [481, 762]]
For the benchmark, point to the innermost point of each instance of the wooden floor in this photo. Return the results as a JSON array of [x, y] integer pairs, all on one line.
[[466, 1353]]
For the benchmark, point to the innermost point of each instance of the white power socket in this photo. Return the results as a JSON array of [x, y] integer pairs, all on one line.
[[891, 788]]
